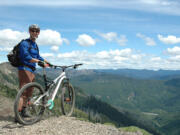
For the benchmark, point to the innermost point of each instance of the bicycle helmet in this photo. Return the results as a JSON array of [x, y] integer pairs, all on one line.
[[34, 26]]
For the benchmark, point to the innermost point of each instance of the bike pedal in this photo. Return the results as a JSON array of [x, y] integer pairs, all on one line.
[[50, 104]]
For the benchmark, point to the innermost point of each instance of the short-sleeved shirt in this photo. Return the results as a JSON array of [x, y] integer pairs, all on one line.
[[28, 50]]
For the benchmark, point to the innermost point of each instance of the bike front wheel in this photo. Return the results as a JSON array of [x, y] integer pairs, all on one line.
[[29, 104], [67, 99]]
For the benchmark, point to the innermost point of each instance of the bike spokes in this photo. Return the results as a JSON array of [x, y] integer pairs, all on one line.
[[29, 107], [67, 100]]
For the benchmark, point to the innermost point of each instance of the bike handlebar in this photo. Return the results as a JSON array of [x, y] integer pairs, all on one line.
[[41, 63], [74, 66], [64, 67]]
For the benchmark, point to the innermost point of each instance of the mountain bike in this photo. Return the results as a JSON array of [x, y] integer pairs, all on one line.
[[41, 98]]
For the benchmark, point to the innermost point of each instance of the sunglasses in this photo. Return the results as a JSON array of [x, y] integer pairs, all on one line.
[[37, 31]]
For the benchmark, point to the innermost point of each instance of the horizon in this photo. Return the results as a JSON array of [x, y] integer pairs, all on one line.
[[109, 68], [101, 34]]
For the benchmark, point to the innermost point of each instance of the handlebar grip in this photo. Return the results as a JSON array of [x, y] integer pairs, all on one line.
[[76, 65], [41, 63]]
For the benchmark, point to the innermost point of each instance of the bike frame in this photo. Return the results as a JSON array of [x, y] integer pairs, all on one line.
[[58, 80]]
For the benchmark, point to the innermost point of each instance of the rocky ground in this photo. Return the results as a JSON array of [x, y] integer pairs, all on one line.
[[52, 125], [60, 126]]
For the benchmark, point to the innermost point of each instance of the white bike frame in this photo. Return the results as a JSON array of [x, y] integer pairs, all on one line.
[[57, 80]]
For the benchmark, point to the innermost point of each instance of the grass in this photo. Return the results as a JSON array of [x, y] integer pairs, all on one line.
[[134, 129]]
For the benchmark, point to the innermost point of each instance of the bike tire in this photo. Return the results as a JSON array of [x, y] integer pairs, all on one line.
[[68, 92], [18, 116]]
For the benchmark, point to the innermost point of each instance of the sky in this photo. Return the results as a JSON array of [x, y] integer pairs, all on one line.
[[101, 34]]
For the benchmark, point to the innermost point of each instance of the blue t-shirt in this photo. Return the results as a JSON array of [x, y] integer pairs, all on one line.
[[28, 50]]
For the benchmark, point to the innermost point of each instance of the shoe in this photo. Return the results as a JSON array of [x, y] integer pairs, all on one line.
[[15, 120]]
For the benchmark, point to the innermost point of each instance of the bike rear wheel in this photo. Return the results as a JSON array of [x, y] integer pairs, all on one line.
[[34, 110], [67, 99]]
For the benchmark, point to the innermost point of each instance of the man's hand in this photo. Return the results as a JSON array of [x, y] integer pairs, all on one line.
[[44, 64], [50, 65], [41, 63]]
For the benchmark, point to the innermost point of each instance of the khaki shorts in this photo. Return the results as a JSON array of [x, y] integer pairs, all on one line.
[[25, 77]]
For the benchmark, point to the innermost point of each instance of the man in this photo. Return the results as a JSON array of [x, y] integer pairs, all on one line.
[[29, 56]]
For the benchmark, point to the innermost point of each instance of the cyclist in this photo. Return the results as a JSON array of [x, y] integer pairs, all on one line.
[[29, 56]]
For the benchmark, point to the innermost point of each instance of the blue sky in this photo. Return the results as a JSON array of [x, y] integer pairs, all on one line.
[[138, 34]]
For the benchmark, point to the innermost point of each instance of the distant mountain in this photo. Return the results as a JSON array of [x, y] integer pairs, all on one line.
[[131, 73], [143, 73], [130, 93]]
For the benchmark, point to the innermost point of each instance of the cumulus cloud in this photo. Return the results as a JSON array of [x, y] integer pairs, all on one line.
[[122, 40], [66, 41], [55, 48], [103, 59], [174, 56], [114, 59], [7, 49], [170, 39], [156, 59], [9, 38], [149, 41], [173, 51], [174, 59], [113, 37], [108, 36], [50, 37], [47, 55], [85, 40]]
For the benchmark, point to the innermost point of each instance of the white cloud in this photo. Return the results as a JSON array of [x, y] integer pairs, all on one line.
[[9, 38], [122, 40], [66, 41], [170, 39], [6, 49], [174, 59], [108, 36], [103, 55], [114, 59], [173, 51], [124, 52], [85, 40], [113, 37], [47, 55], [50, 37], [149, 41], [103, 59], [156, 59], [55, 48]]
